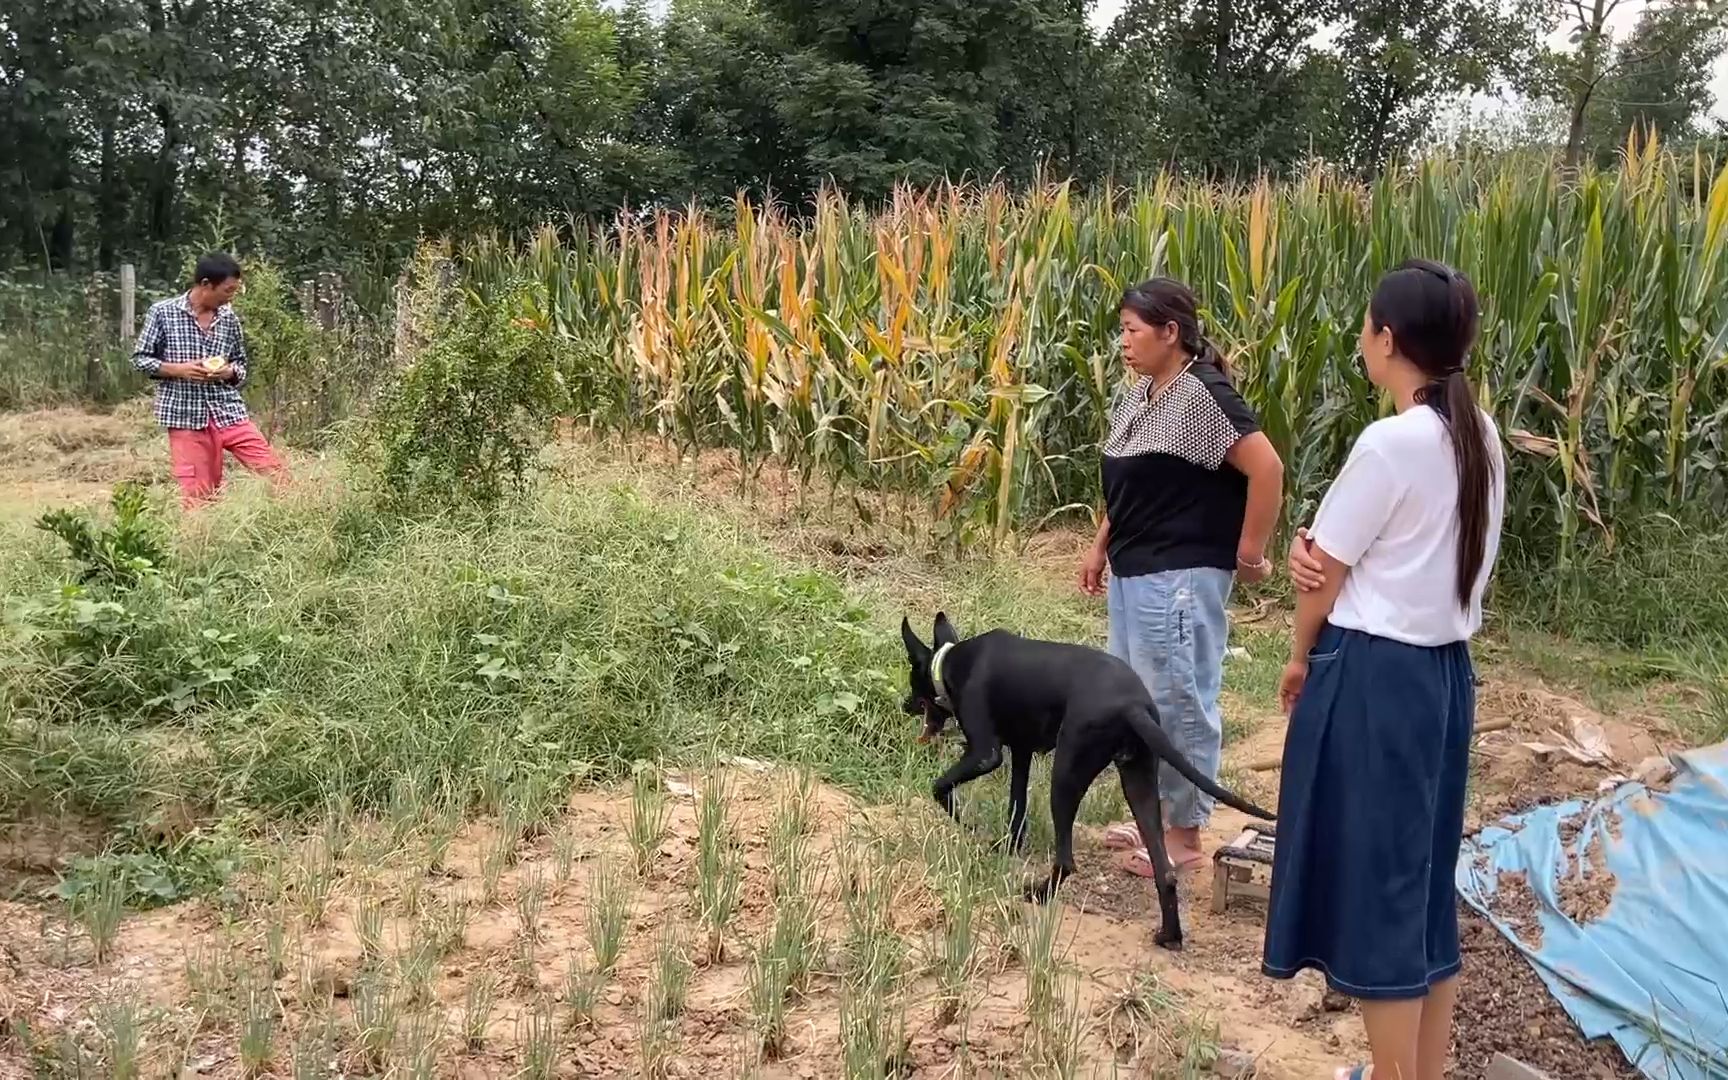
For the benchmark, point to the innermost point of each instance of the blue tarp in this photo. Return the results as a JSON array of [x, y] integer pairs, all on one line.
[[1652, 972]]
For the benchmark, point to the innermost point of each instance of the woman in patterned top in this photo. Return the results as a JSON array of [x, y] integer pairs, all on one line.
[[1192, 490]]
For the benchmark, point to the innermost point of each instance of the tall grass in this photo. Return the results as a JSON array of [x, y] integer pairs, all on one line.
[[958, 347], [60, 337], [305, 652]]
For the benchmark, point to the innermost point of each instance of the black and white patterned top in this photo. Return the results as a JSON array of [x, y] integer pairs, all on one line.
[[1173, 500], [172, 335]]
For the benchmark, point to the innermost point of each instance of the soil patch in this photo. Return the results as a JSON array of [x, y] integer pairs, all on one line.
[[195, 968], [1503, 1007], [1507, 778], [1586, 889], [1514, 902]]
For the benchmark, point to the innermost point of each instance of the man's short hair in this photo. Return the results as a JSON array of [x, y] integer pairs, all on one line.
[[215, 267]]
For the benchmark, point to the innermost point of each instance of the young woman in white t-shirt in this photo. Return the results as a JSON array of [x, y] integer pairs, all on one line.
[[1380, 690]]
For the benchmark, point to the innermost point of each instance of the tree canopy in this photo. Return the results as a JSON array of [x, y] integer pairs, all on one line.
[[331, 131]]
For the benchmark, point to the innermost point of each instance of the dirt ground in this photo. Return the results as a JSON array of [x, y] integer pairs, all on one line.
[[1504, 1008], [182, 962]]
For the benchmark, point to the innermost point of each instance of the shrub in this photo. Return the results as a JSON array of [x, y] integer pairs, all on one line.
[[280, 344], [462, 424], [118, 554]]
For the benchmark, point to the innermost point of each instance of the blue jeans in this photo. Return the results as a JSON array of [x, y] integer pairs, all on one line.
[[1173, 628]]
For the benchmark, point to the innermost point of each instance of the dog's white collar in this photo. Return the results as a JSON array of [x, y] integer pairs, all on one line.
[[936, 677]]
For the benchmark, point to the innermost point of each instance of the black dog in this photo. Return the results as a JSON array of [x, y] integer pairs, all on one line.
[[1036, 696]]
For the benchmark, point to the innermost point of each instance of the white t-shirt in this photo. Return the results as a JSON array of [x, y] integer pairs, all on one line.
[[1392, 517]]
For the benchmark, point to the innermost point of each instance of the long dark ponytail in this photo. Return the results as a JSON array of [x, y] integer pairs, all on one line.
[[1433, 314], [1163, 300]]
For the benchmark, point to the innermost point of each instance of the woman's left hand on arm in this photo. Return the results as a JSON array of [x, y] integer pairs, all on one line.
[[1313, 609]]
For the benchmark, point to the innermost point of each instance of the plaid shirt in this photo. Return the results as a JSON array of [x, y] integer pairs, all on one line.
[[172, 335]]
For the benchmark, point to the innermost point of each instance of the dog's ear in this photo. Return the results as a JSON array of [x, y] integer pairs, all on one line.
[[945, 634], [916, 651]]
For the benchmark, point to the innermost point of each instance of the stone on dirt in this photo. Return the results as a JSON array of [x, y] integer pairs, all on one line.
[[1505, 1068], [1233, 1064]]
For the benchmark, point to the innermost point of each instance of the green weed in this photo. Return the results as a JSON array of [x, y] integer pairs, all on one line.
[[582, 988], [719, 865], [670, 983], [563, 855], [120, 553], [120, 1019], [646, 828], [314, 1049], [769, 984], [258, 1022], [530, 898], [479, 999], [608, 914], [376, 1016], [422, 1041], [369, 925], [315, 880], [537, 1040], [99, 909]]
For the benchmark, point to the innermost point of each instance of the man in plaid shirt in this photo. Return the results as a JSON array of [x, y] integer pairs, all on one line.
[[192, 346]]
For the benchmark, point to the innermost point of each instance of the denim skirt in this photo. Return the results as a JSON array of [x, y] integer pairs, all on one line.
[[1371, 817]]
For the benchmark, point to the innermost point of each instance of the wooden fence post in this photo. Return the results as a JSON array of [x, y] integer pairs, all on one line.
[[128, 302]]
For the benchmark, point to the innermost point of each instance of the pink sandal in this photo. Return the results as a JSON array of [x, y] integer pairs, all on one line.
[[1139, 863], [1122, 837]]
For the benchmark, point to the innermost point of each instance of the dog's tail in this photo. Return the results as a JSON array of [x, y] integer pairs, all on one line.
[[1145, 722]]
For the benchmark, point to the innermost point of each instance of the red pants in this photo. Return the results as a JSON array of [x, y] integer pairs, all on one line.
[[197, 457]]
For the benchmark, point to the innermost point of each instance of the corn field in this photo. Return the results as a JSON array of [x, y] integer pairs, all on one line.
[[956, 350]]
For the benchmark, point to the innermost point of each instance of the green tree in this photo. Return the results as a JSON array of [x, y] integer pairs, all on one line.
[[714, 102], [332, 129], [1399, 60], [1067, 103], [1595, 68], [63, 67], [331, 134], [460, 426], [1662, 81], [1234, 81], [921, 89]]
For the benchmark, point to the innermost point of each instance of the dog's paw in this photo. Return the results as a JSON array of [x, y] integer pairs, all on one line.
[[944, 797]]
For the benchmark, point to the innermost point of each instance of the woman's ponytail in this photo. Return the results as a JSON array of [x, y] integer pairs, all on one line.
[[1204, 352], [1456, 401], [1433, 313]]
